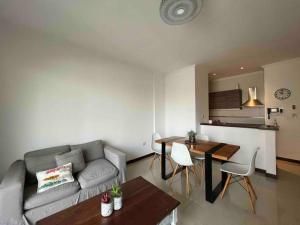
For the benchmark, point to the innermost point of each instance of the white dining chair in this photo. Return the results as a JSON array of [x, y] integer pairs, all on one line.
[[243, 172], [181, 156], [200, 158], [156, 148]]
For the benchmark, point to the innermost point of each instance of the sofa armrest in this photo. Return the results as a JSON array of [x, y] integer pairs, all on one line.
[[11, 194], [118, 159]]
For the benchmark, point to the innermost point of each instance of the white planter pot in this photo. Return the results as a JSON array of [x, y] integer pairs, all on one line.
[[118, 203], [106, 209]]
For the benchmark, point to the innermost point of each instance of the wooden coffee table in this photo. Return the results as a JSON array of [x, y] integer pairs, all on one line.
[[143, 204]]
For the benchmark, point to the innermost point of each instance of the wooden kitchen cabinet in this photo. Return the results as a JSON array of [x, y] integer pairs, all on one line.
[[231, 99]]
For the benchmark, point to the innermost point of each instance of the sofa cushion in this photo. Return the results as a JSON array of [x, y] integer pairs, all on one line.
[[32, 199], [75, 157], [91, 150], [32, 216], [51, 178], [97, 172], [40, 160]]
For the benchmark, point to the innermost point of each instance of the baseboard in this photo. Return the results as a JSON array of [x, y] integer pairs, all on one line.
[[139, 158], [288, 160]]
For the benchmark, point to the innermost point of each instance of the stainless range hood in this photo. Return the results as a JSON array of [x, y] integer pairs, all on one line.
[[252, 98]]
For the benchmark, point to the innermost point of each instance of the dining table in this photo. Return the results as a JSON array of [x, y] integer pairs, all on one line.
[[212, 150]]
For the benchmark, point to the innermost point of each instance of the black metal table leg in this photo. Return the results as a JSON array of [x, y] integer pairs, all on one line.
[[165, 176], [210, 193], [208, 176], [224, 177], [163, 160]]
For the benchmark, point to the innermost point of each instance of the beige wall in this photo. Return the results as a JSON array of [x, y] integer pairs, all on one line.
[[54, 93], [159, 104], [250, 115], [202, 112], [180, 101], [285, 74]]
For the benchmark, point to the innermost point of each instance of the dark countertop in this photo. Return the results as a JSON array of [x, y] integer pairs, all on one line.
[[244, 125]]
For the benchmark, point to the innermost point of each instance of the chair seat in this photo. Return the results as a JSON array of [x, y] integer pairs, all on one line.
[[32, 199], [198, 156], [97, 172], [235, 168]]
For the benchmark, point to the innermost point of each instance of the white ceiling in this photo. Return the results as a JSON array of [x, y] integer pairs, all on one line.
[[226, 34]]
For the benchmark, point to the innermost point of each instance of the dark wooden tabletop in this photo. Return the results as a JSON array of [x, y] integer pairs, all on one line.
[[143, 204], [200, 147]]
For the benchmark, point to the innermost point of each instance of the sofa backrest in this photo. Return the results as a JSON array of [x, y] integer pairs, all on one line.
[[41, 160], [92, 150]]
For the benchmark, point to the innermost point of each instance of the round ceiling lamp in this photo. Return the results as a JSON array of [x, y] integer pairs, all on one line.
[[176, 12]]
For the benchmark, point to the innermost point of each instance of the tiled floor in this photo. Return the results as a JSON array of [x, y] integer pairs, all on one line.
[[278, 200]]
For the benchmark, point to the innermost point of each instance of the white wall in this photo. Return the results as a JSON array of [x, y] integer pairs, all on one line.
[[180, 101], [250, 115], [202, 100], [159, 104], [285, 74], [53, 93]]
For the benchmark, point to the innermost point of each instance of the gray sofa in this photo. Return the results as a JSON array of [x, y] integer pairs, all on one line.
[[21, 205]]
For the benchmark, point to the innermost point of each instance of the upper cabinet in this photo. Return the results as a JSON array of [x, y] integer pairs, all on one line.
[[231, 99]]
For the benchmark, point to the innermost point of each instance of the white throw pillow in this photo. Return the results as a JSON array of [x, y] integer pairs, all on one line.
[[54, 177]]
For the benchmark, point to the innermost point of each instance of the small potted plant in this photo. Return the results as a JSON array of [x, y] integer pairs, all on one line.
[[106, 205], [116, 193], [192, 136]]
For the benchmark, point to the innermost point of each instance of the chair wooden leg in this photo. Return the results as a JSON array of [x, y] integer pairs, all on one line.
[[152, 161], [170, 161], [194, 169], [187, 181], [249, 194], [199, 167], [174, 173], [251, 187], [250, 190], [227, 183], [202, 169]]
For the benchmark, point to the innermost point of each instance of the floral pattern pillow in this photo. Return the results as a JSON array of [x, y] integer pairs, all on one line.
[[54, 177]]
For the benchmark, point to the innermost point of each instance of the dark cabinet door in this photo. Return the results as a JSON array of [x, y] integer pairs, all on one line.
[[231, 99]]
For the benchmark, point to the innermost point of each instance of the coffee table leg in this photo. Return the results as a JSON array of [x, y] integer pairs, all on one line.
[[174, 217]]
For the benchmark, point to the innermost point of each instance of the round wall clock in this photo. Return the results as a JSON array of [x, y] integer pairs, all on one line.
[[282, 93]]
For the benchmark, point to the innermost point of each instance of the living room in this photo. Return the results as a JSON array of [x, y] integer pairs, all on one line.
[[75, 72]]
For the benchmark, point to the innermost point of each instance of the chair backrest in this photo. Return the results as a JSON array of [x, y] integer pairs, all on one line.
[[155, 146], [252, 163], [181, 155], [203, 137]]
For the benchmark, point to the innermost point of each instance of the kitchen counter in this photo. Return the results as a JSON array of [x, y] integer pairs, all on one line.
[[249, 137], [243, 125]]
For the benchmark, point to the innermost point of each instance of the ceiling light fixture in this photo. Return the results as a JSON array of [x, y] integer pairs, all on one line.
[[176, 12], [180, 11]]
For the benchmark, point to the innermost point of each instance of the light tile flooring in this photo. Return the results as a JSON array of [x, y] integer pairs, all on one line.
[[278, 200]]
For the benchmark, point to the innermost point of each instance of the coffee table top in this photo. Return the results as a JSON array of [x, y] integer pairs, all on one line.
[[143, 203]]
